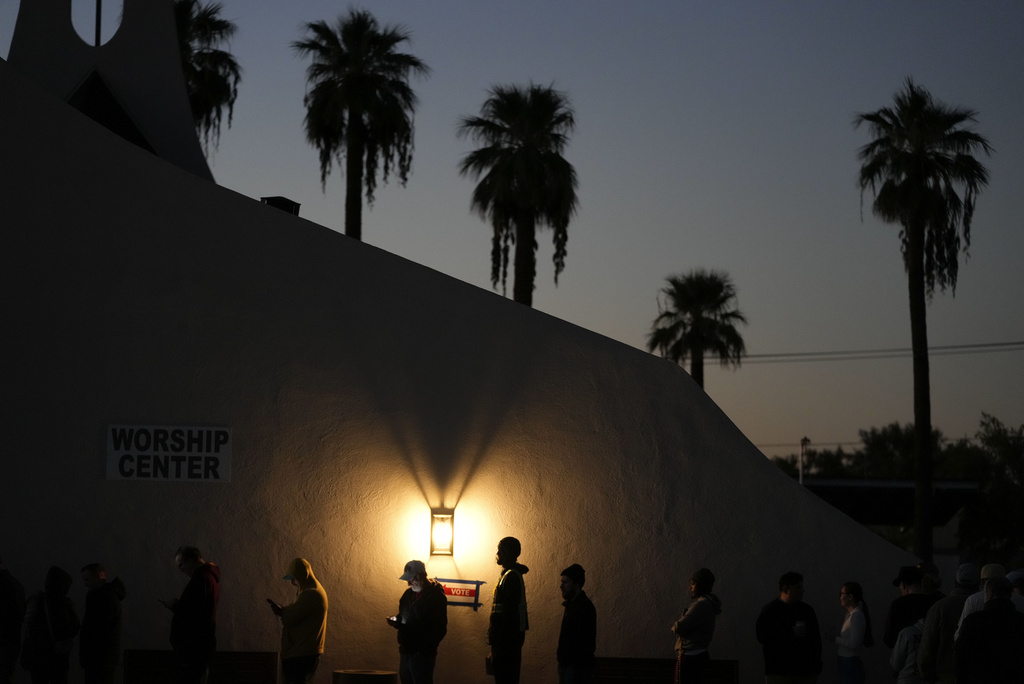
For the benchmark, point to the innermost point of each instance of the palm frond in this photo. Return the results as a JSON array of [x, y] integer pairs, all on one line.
[[523, 177], [920, 167]]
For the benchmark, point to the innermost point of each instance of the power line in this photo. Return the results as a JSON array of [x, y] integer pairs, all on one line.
[[797, 444], [819, 445], [894, 353]]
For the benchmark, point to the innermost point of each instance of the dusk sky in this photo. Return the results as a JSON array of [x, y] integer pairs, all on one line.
[[709, 135]]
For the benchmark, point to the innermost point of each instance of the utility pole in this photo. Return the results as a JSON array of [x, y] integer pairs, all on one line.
[[803, 451]]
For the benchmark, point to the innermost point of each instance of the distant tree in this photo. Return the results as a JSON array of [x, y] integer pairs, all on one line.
[[994, 529], [211, 74], [991, 524], [820, 463], [888, 452], [698, 315], [526, 182], [885, 452], [359, 103], [918, 162]]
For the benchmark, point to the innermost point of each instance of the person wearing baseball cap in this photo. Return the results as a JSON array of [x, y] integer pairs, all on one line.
[[422, 622], [910, 606], [976, 601], [988, 649]]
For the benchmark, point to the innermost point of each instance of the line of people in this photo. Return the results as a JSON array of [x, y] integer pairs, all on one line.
[[509, 620], [50, 623], [421, 623], [38, 632], [972, 636]]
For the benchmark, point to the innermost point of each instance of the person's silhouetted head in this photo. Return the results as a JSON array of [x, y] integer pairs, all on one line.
[[998, 588], [188, 559], [791, 587], [572, 581], [509, 549], [967, 576], [701, 583], [94, 575], [909, 580]]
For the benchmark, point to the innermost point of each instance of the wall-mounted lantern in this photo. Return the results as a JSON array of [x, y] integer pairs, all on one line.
[[442, 531]]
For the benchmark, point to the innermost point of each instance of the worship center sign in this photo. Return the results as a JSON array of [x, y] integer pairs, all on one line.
[[152, 452]]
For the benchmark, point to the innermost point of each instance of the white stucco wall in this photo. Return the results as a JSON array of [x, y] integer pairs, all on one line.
[[362, 389]]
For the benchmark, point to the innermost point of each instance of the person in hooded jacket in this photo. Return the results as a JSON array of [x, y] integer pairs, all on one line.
[[194, 625], [51, 624], [422, 622], [695, 628], [506, 631], [303, 624], [99, 644]]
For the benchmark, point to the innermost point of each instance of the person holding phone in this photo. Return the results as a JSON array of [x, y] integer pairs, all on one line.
[[303, 624], [194, 624], [422, 622]]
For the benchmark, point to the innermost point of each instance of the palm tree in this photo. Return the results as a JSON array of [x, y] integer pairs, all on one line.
[[211, 75], [525, 181], [920, 167], [359, 103], [697, 315]]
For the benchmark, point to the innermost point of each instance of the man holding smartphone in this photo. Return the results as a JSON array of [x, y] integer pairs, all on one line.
[[194, 625], [422, 622], [303, 624]]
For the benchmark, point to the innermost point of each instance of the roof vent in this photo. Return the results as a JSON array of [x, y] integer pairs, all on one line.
[[282, 203]]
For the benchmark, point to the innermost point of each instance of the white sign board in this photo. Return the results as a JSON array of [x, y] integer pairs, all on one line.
[[155, 452]]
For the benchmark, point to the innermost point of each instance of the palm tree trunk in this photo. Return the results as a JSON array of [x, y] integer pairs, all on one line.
[[697, 366], [355, 148], [526, 261], [923, 500]]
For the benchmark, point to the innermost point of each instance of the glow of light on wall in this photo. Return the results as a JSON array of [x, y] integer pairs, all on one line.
[[412, 531], [442, 532]]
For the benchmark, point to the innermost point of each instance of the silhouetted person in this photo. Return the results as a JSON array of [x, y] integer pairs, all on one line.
[[422, 622], [695, 628], [51, 624], [303, 624], [790, 636], [194, 625], [990, 648], [935, 655], [99, 643], [577, 639], [12, 615], [976, 601], [506, 631], [854, 635], [903, 659], [910, 606], [931, 580]]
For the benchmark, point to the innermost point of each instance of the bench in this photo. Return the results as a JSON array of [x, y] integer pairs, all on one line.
[[226, 667], [660, 671]]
